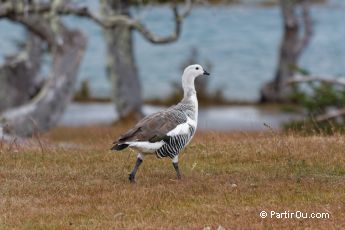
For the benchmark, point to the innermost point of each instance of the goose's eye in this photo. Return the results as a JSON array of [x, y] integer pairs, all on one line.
[[197, 68]]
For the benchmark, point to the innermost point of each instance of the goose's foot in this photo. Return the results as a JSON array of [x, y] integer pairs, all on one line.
[[175, 164], [131, 176], [178, 174]]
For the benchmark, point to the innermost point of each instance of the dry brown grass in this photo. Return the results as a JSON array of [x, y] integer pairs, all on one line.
[[74, 182]]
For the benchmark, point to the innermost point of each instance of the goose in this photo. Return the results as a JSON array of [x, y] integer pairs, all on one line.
[[167, 132]]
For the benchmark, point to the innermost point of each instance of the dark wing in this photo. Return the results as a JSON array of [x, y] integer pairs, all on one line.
[[154, 127]]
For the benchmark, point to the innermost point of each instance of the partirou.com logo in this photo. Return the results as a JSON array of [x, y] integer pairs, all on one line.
[[294, 215]]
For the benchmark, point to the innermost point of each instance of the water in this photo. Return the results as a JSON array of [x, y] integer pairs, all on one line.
[[235, 118], [240, 41]]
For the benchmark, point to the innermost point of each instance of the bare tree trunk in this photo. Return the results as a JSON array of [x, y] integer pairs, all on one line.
[[19, 75], [43, 112], [292, 45], [67, 48], [121, 66]]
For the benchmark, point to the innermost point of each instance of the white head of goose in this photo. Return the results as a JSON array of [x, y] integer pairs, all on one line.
[[167, 132]]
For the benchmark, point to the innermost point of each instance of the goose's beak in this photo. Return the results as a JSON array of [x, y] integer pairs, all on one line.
[[206, 73]]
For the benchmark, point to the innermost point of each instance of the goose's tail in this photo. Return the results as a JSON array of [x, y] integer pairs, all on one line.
[[119, 146]]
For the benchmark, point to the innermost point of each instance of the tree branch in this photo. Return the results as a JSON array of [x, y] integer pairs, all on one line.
[[328, 80], [324, 79], [307, 24], [331, 115], [42, 30], [289, 16], [9, 10]]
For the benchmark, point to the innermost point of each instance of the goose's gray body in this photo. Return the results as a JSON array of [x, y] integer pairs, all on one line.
[[167, 132]]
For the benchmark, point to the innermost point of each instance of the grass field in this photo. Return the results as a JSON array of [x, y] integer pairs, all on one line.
[[68, 179]]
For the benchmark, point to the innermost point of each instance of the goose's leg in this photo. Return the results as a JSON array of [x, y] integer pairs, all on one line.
[[175, 164], [135, 169]]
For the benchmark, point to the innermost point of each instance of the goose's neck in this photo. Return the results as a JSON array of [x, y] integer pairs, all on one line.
[[188, 88], [189, 95]]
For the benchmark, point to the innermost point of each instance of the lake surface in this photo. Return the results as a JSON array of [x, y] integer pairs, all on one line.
[[234, 118], [241, 42]]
